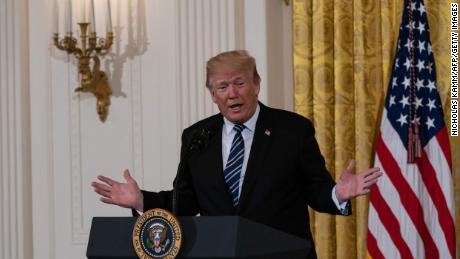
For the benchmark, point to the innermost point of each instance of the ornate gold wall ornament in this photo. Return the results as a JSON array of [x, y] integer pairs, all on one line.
[[91, 80]]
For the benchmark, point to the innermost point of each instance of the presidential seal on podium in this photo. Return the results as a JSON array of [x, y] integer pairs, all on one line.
[[157, 234]]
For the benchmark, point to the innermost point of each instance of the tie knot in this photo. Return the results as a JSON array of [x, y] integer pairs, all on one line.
[[239, 127]]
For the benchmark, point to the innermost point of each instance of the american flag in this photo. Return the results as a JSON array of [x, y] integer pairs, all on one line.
[[411, 212]]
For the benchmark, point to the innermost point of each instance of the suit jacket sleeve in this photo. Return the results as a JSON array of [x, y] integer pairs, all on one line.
[[318, 182]]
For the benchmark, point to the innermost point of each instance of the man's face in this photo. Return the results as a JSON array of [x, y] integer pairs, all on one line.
[[235, 94]]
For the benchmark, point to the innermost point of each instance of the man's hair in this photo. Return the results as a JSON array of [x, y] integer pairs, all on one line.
[[231, 61]]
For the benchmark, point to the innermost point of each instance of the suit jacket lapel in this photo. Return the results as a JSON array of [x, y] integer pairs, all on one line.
[[259, 148]]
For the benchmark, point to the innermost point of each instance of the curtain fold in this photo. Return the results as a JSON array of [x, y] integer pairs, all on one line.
[[343, 54]]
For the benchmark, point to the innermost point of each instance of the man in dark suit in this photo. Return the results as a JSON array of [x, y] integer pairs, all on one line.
[[250, 160]]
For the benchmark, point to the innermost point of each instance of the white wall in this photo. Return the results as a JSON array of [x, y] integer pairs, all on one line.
[[53, 144], [268, 37]]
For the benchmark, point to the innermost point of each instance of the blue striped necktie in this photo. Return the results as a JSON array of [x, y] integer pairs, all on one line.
[[234, 165]]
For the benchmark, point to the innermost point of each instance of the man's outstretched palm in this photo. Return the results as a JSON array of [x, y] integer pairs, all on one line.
[[352, 185], [127, 194]]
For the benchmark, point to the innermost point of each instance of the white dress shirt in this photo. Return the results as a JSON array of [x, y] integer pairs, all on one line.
[[228, 133]]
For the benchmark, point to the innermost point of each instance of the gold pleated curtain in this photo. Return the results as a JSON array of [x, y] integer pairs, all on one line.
[[343, 55]]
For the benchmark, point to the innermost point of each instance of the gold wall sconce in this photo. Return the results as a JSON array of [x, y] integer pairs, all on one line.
[[87, 51]]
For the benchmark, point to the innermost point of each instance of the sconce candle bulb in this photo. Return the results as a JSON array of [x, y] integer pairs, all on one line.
[[108, 18], [55, 16], [68, 16], [92, 18]]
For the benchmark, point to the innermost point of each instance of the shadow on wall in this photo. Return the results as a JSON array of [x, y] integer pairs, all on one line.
[[134, 30]]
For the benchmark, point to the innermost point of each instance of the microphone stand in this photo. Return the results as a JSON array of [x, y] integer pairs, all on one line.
[[197, 143]]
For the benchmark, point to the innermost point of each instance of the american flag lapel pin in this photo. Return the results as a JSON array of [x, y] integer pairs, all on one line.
[[267, 132]]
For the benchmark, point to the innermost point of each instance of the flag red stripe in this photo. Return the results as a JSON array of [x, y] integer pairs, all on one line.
[[390, 222], [408, 199], [434, 189], [372, 247], [443, 140]]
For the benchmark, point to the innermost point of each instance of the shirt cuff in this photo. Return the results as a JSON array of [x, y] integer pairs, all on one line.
[[342, 207]]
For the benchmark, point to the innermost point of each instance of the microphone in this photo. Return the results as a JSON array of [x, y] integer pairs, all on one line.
[[198, 143]]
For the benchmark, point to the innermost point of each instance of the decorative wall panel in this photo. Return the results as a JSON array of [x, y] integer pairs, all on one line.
[[15, 204], [205, 28]]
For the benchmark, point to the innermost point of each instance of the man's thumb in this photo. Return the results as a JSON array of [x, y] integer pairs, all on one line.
[[127, 176], [350, 167]]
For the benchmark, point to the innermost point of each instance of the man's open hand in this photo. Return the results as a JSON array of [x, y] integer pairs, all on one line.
[[352, 185], [126, 195]]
